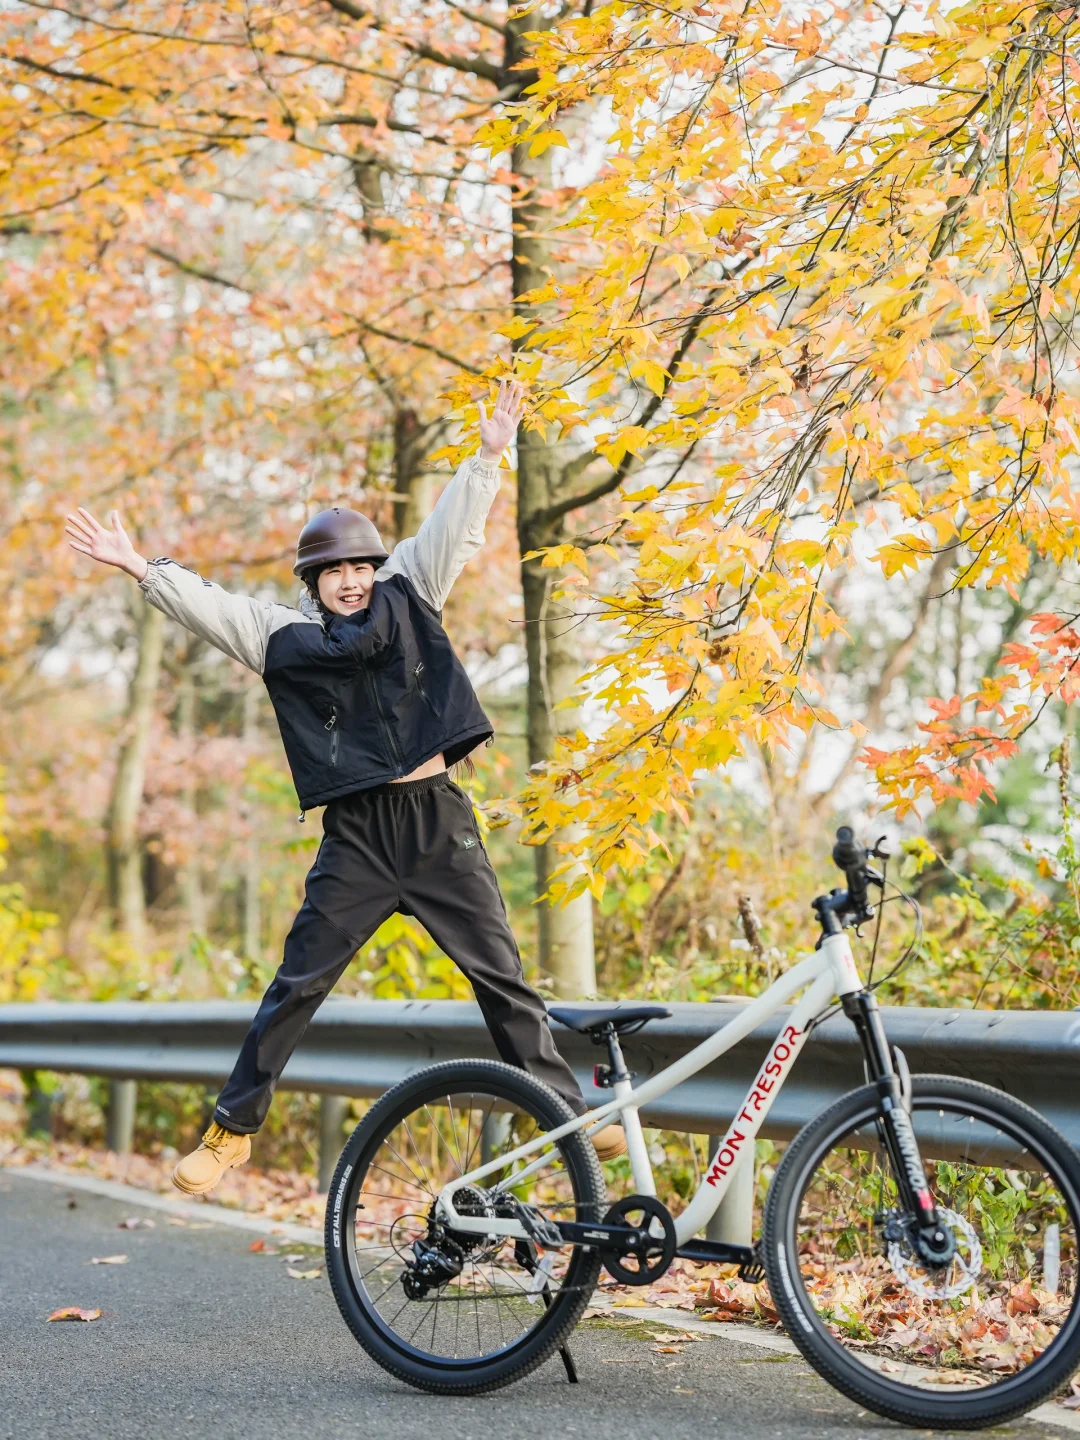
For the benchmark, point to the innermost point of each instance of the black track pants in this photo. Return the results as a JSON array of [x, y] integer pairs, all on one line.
[[413, 847]]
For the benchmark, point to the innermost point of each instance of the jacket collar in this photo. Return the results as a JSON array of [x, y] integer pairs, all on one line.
[[309, 607]]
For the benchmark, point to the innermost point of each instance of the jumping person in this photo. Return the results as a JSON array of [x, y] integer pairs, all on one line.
[[373, 706]]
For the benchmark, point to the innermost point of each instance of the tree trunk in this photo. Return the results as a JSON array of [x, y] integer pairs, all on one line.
[[414, 485], [127, 900], [191, 886], [566, 953], [252, 879]]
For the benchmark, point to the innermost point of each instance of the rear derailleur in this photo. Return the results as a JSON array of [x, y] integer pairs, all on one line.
[[439, 1256]]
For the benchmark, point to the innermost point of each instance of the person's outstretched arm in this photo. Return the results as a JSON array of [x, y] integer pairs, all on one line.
[[233, 623], [454, 531]]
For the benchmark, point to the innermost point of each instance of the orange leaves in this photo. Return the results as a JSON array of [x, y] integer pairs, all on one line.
[[955, 759]]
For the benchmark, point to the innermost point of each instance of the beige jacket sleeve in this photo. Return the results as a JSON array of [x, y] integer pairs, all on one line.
[[235, 624], [450, 536]]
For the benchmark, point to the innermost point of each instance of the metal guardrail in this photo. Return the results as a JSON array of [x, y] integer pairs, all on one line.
[[361, 1048]]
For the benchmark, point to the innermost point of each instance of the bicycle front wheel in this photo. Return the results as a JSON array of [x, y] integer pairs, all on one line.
[[973, 1343], [458, 1312]]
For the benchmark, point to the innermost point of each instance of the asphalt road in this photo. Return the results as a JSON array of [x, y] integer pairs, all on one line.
[[202, 1338]]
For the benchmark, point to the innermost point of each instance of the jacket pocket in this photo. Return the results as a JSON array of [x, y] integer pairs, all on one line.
[[420, 688]]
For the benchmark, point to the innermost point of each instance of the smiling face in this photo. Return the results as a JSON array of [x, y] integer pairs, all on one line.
[[345, 586]]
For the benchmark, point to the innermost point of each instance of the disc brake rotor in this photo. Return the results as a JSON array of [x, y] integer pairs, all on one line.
[[969, 1267]]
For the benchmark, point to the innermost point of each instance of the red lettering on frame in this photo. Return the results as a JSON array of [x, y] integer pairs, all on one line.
[[729, 1150]]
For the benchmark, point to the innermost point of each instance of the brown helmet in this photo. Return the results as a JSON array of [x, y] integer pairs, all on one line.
[[338, 534]]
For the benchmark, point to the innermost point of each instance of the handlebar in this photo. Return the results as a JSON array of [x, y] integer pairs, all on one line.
[[851, 858], [850, 906]]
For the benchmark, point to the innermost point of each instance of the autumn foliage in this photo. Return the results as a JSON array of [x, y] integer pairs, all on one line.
[[794, 292], [821, 317]]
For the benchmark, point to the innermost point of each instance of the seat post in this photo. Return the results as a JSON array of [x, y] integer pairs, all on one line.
[[616, 1059], [622, 1083]]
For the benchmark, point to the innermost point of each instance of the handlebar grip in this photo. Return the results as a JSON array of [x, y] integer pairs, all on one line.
[[848, 855]]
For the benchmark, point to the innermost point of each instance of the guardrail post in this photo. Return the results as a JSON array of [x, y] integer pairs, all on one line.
[[39, 1104], [332, 1112], [733, 1223], [494, 1133], [120, 1116]]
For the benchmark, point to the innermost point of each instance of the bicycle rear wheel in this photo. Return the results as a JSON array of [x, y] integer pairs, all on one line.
[[975, 1343], [450, 1311]]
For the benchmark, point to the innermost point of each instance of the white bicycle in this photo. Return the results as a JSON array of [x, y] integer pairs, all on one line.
[[920, 1238]]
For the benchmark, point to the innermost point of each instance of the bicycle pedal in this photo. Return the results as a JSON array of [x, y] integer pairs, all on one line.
[[752, 1271]]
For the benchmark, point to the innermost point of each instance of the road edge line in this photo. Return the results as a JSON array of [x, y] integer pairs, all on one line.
[[202, 1210]]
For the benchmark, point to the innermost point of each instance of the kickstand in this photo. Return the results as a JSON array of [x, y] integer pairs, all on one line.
[[564, 1350], [568, 1361]]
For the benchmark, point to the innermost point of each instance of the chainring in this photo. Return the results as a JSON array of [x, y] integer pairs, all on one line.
[[659, 1249]]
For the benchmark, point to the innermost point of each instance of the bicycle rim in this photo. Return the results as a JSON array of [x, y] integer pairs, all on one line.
[[504, 1292], [988, 1335]]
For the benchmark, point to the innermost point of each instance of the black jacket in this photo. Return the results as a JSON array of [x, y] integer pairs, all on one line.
[[370, 697], [366, 698]]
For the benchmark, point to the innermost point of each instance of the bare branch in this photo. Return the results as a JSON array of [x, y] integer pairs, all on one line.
[[475, 65], [209, 275], [419, 345], [478, 19], [78, 75], [618, 473], [895, 664]]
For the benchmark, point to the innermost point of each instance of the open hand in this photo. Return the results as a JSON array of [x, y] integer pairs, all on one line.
[[500, 427], [111, 547]]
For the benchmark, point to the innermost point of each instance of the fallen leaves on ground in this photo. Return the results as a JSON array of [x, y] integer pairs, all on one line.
[[72, 1312], [109, 1260], [263, 1247], [136, 1223], [305, 1274], [998, 1328], [282, 1195]]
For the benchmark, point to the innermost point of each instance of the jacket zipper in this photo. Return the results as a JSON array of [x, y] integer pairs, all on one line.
[[388, 734], [331, 725], [418, 676]]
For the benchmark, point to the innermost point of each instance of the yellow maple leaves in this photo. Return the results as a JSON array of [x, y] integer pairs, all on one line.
[[821, 310]]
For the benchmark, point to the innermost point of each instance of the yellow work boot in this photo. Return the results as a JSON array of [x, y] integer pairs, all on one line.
[[609, 1142], [220, 1150]]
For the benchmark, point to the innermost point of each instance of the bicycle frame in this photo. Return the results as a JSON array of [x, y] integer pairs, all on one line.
[[827, 972]]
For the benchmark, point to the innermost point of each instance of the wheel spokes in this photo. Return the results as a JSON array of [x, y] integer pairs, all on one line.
[[485, 1278], [973, 1321]]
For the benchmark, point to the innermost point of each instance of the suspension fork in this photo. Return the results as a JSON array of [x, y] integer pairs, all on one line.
[[894, 1120]]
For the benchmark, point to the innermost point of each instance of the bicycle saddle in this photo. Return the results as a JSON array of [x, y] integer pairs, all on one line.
[[625, 1018]]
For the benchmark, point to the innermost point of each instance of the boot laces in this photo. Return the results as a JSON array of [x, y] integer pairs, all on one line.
[[215, 1137]]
